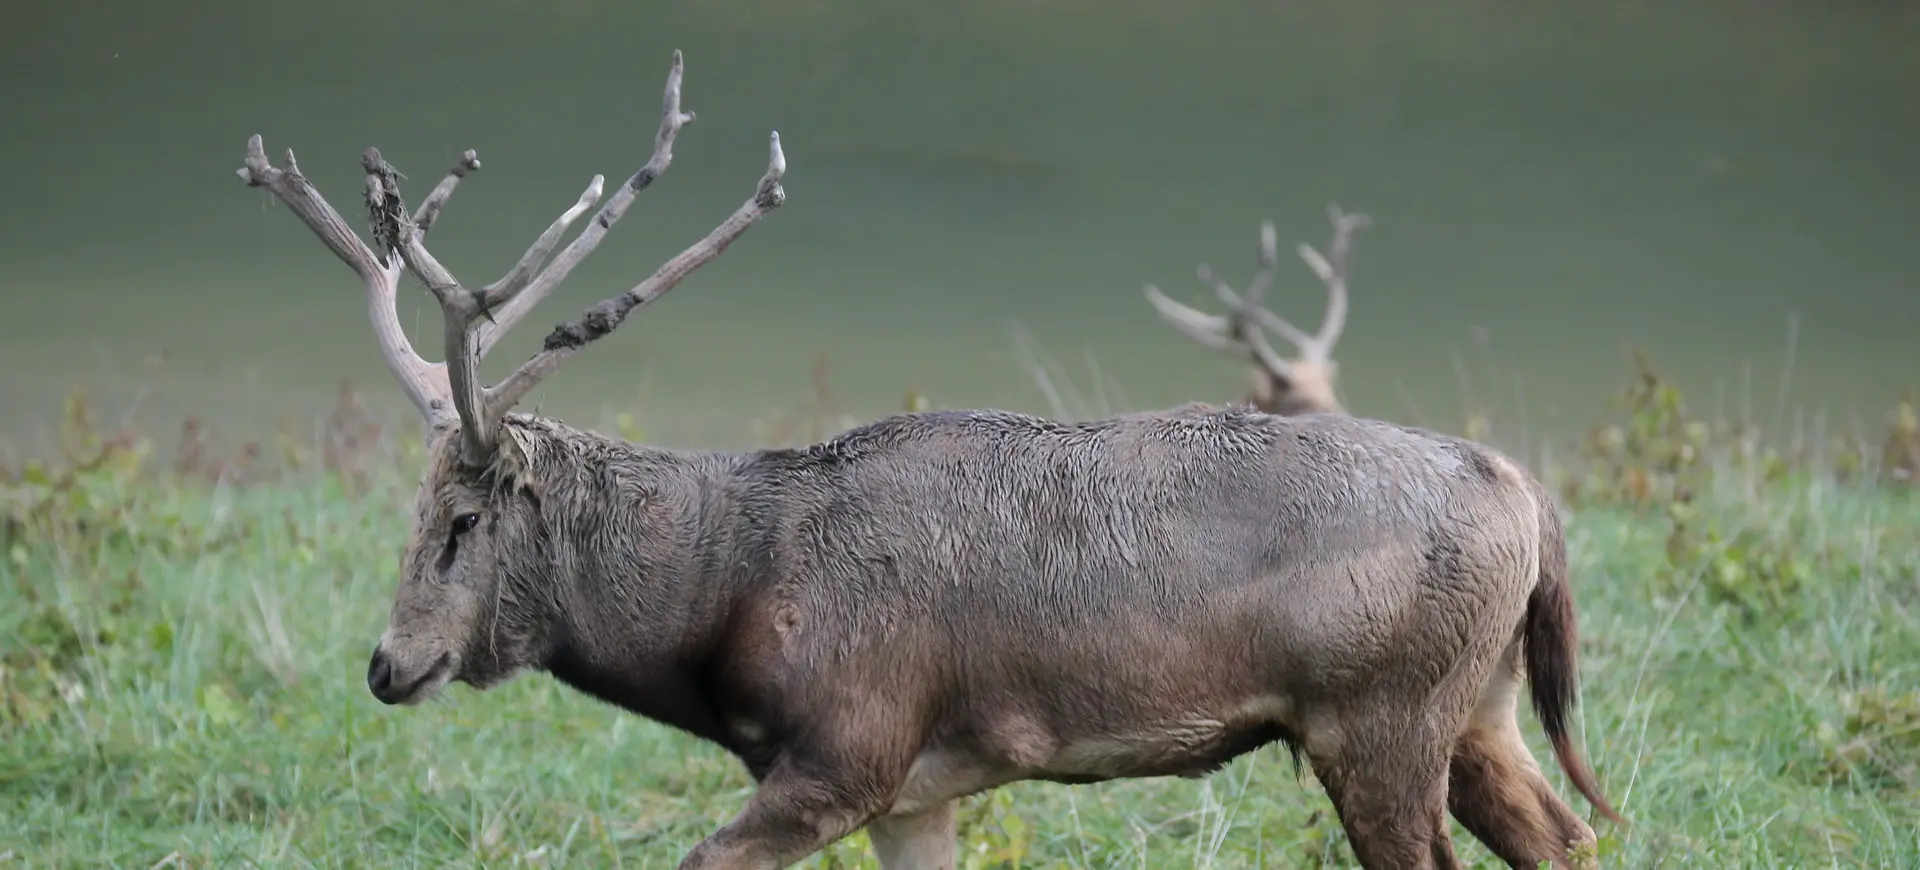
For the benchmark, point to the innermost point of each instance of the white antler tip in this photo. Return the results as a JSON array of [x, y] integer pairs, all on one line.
[[1317, 262], [255, 169], [1347, 221], [776, 157], [675, 117]]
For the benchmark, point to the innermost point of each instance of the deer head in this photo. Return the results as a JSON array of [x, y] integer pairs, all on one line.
[[1301, 384], [475, 533]]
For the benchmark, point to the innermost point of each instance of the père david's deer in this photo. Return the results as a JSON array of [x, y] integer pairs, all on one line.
[[874, 624], [1303, 384]]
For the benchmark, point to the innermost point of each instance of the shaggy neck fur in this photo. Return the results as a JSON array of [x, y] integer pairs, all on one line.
[[649, 559]]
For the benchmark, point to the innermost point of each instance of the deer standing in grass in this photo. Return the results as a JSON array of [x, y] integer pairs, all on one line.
[[1303, 384], [874, 624]]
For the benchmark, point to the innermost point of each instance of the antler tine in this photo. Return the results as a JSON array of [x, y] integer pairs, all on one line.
[[1248, 317], [1248, 314], [423, 382], [1332, 270], [1217, 332], [1220, 332], [429, 211], [523, 272], [1269, 264], [510, 285], [603, 318], [1248, 340], [1264, 354], [459, 307], [475, 319], [1212, 330], [471, 321], [1233, 333], [521, 289]]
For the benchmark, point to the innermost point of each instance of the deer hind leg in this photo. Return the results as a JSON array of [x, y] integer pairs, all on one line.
[[1496, 788], [921, 841], [1389, 786]]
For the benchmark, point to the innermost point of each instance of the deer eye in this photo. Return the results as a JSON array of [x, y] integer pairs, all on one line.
[[464, 523]]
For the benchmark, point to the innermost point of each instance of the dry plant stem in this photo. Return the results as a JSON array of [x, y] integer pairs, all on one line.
[[474, 320]]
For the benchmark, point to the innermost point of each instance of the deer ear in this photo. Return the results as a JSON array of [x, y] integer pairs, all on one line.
[[513, 460], [1266, 385]]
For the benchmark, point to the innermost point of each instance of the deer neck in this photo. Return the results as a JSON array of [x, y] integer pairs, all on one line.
[[648, 555]]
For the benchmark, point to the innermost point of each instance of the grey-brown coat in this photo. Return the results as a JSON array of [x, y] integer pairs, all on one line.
[[874, 624]]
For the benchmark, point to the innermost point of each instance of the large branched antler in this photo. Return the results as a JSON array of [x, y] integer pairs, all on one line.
[[475, 320], [1232, 332], [1241, 330], [424, 382]]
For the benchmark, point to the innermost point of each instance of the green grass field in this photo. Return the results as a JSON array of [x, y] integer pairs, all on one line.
[[182, 684]]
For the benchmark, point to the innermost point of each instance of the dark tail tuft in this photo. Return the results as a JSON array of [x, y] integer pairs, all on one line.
[[1552, 640]]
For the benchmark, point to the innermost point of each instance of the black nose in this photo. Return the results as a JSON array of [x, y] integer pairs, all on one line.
[[380, 677]]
